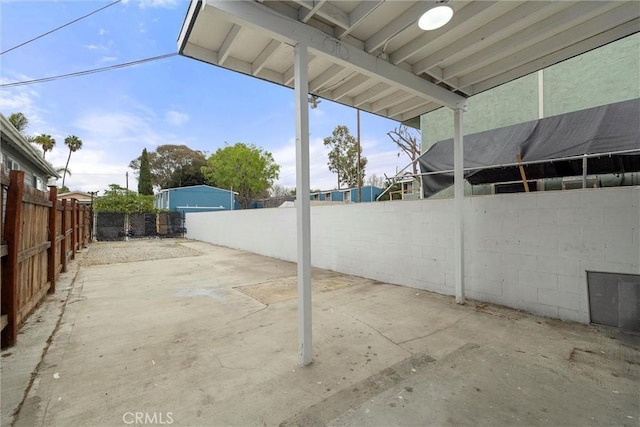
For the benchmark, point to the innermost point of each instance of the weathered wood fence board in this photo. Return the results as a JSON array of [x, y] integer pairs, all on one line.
[[39, 235]]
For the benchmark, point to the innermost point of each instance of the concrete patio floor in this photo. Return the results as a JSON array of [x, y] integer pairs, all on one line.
[[212, 340]]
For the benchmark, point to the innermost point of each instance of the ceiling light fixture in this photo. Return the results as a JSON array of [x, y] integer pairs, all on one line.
[[435, 17]]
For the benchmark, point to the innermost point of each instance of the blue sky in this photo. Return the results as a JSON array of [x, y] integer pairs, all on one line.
[[172, 101]]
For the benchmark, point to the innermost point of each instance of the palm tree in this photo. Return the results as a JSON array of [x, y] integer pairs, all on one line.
[[19, 121], [46, 141], [62, 169], [74, 143]]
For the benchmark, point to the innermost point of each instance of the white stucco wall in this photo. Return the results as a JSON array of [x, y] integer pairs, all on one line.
[[528, 251]]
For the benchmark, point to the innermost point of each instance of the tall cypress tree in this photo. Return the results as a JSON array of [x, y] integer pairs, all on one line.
[[144, 180]]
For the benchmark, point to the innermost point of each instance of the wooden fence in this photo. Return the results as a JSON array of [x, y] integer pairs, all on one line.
[[39, 235]]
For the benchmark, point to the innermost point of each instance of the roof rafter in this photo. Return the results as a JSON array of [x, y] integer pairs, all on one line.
[[359, 14], [264, 56], [225, 49], [519, 18], [466, 14], [326, 11], [558, 22], [619, 15], [255, 15]]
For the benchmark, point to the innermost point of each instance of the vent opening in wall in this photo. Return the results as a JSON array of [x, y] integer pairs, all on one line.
[[614, 299]]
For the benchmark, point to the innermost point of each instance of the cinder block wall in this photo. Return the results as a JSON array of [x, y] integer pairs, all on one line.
[[528, 251]]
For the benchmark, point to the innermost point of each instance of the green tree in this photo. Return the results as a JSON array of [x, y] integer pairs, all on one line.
[[19, 121], [74, 144], [343, 157], [144, 178], [245, 168], [119, 199], [46, 142], [174, 166]]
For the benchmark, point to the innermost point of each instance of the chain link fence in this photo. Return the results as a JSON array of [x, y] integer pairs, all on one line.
[[118, 226]]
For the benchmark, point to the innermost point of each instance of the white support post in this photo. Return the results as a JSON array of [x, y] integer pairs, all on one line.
[[458, 163], [584, 171], [303, 211]]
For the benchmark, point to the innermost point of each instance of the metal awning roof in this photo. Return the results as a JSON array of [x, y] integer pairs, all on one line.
[[372, 55]]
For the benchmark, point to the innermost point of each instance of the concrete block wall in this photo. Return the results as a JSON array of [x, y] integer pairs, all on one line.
[[528, 251]]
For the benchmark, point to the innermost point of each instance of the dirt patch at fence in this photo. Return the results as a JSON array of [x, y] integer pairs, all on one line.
[[101, 253]]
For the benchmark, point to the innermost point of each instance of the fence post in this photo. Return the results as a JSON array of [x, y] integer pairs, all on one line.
[[12, 228], [65, 239], [51, 261], [86, 226], [80, 226], [85, 237], [74, 227]]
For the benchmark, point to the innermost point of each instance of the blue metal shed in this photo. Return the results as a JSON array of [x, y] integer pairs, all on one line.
[[347, 195], [197, 198]]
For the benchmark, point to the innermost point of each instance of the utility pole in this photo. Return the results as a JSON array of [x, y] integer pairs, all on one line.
[[127, 177], [358, 168]]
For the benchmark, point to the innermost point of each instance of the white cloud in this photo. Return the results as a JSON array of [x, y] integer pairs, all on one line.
[[157, 3], [176, 118], [89, 169], [122, 128], [23, 99], [319, 174], [381, 159], [102, 32], [111, 139], [91, 46], [105, 59]]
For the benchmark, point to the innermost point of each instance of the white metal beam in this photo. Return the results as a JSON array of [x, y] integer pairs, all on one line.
[[591, 43], [379, 89], [556, 23], [417, 112], [359, 14], [307, 15], [303, 211], [264, 56], [389, 101], [325, 77], [614, 17], [347, 87], [327, 11], [462, 16], [390, 30], [458, 182], [522, 16], [289, 75], [405, 106], [225, 49], [257, 16]]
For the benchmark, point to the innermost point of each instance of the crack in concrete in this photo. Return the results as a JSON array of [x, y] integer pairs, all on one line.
[[372, 327], [444, 328], [247, 315]]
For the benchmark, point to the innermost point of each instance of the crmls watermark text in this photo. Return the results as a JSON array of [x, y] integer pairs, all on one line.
[[147, 418]]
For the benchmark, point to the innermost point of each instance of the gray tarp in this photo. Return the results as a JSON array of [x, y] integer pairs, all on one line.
[[606, 129]]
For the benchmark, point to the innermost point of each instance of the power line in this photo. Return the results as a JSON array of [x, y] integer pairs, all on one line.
[[86, 72], [60, 27]]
